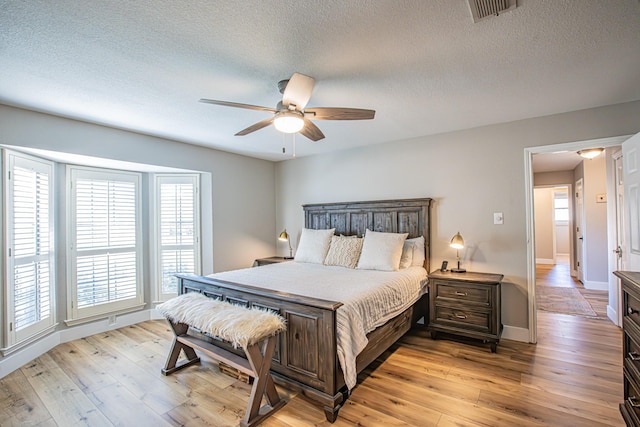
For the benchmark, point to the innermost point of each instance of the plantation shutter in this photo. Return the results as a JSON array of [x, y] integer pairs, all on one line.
[[106, 227], [30, 291], [178, 229]]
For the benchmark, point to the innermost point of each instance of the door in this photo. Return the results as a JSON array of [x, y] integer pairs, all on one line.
[[631, 178], [619, 246], [619, 206], [579, 228]]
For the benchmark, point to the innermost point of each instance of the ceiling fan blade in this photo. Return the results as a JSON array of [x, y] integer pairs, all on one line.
[[256, 126], [238, 105], [311, 131], [331, 113], [298, 91]]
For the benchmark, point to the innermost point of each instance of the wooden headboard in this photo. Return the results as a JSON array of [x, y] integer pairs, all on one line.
[[389, 216]]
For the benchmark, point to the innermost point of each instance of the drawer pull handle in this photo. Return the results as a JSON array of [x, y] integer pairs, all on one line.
[[461, 294], [460, 316], [633, 402], [631, 311], [634, 356]]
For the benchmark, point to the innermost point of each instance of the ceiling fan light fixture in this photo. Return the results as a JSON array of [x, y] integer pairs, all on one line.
[[289, 121], [590, 153]]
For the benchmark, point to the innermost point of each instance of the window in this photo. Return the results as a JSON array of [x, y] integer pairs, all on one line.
[[561, 206], [105, 261], [29, 256], [177, 230]]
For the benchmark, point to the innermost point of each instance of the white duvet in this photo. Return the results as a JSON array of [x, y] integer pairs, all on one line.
[[369, 297]]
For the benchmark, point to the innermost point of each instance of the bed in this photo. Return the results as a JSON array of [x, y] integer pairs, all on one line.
[[306, 355]]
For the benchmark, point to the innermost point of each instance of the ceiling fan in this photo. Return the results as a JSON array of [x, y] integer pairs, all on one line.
[[290, 115]]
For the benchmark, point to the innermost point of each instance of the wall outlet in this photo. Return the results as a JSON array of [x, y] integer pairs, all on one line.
[[498, 218]]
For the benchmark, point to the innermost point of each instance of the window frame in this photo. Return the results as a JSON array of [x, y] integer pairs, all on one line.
[[76, 315], [156, 232], [13, 339]]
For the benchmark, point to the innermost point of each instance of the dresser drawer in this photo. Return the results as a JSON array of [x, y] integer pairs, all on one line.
[[631, 403], [631, 350], [463, 318], [632, 309], [453, 291]]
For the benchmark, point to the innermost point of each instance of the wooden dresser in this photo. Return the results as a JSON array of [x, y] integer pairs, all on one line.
[[630, 408], [466, 304]]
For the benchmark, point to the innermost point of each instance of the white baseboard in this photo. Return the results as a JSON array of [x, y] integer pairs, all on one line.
[[545, 261], [612, 314], [515, 334], [16, 360], [596, 286]]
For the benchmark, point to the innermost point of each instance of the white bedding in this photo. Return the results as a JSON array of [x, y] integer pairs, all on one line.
[[369, 297]]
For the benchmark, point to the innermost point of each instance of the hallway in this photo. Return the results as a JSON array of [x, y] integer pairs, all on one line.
[[573, 299]]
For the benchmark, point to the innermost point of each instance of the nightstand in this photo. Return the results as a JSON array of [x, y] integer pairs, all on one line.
[[271, 260], [466, 304]]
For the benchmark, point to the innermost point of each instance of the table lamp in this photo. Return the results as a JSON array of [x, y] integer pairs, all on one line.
[[284, 236], [457, 242]]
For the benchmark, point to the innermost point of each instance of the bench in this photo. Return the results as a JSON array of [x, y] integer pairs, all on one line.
[[253, 330]]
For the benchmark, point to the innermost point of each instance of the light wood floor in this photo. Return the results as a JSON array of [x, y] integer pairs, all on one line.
[[572, 377]]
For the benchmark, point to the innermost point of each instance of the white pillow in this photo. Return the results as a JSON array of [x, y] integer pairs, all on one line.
[[381, 251], [406, 260], [314, 245], [344, 251], [418, 251]]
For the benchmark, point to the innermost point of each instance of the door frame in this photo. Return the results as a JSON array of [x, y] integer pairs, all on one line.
[[615, 238], [579, 229], [528, 178]]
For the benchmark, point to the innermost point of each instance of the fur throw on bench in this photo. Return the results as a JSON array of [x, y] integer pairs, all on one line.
[[240, 326]]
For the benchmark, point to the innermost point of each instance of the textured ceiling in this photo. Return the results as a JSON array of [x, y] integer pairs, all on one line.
[[424, 66]]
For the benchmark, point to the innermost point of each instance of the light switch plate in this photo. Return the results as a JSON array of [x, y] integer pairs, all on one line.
[[498, 218]]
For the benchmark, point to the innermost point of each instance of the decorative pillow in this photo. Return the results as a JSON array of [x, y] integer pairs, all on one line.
[[418, 251], [381, 251], [406, 260], [344, 251], [313, 245]]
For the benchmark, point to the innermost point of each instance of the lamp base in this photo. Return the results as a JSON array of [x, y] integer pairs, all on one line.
[[458, 270], [287, 257]]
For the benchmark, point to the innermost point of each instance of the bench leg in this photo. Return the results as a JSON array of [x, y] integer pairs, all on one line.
[[260, 362], [192, 358]]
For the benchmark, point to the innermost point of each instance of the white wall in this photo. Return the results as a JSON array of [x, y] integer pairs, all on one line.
[[544, 223], [470, 174], [562, 239], [596, 274]]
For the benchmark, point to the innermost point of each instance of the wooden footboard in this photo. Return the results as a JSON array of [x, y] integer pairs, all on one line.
[[305, 356]]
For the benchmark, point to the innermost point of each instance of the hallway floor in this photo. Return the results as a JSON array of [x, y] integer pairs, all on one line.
[[559, 275]]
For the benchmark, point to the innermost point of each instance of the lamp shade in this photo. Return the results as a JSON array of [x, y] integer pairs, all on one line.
[[457, 242], [284, 236], [590, 153], [289, 121]]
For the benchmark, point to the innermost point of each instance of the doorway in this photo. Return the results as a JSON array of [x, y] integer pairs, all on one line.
[[529, 200]]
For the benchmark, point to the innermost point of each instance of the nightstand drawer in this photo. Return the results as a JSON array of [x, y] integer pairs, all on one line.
[[463, 318], [462, 292]]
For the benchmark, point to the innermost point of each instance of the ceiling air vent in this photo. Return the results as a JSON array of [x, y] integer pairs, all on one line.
[[481, 9]]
